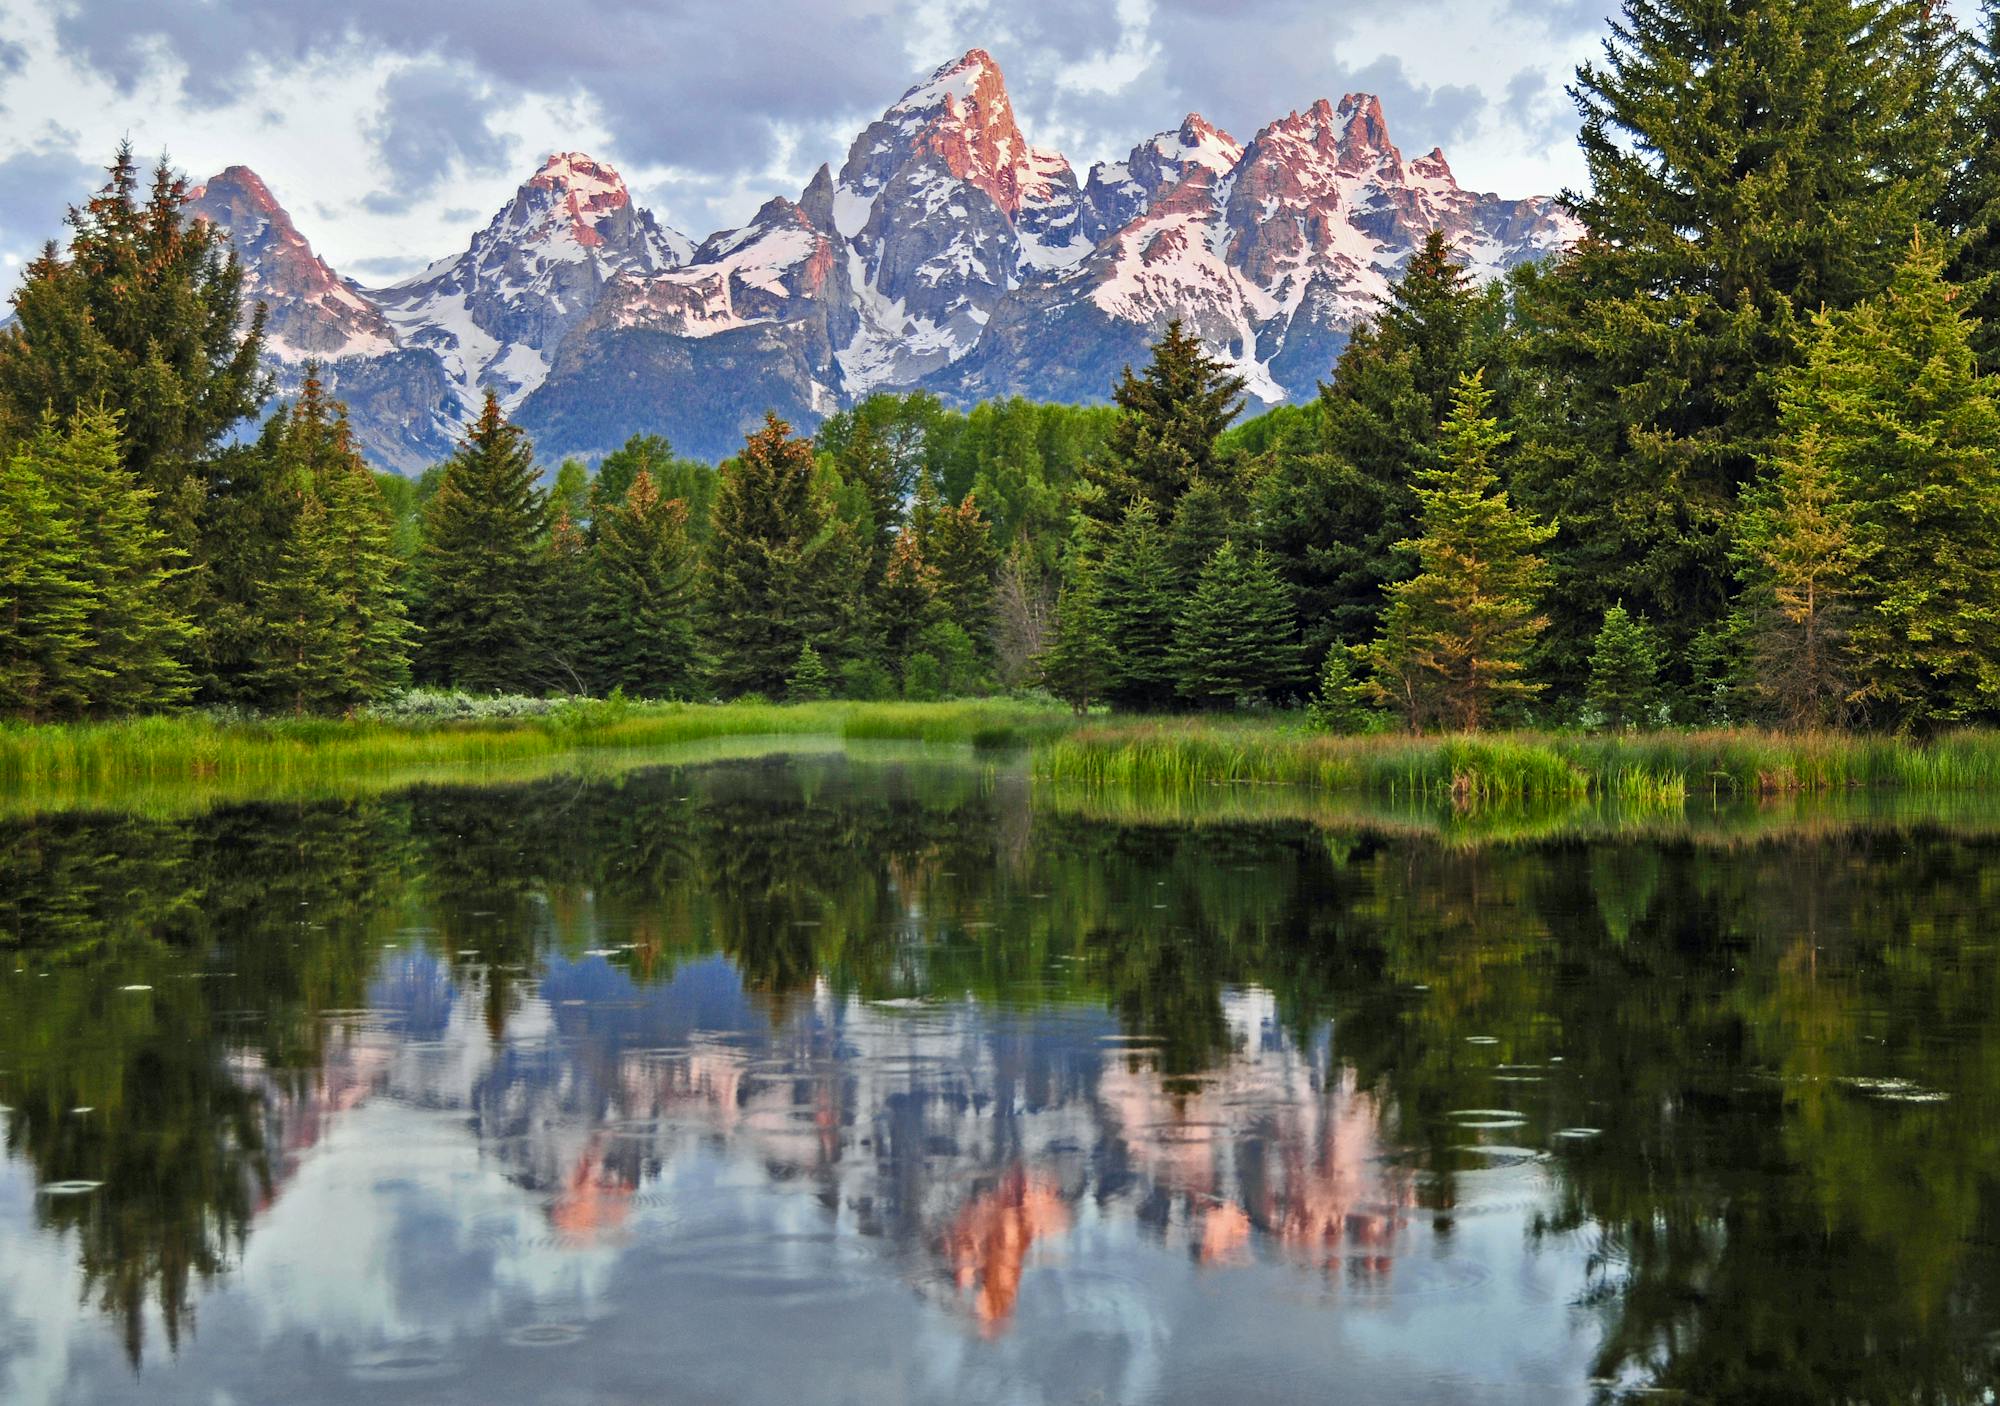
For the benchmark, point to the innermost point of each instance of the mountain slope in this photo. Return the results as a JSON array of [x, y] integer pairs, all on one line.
[[947, 252]]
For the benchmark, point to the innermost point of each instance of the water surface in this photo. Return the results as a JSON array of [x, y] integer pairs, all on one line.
[[856, 1078]]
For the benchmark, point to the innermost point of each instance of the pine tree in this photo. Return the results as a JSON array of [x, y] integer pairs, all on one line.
[[374, 632], [1235, 640], [809, 679], [1077, 662], [44, 600], [1164, 440], [1455, 637], [1338, 497], [577, 641], [1200, 526], [483, 568], [907, 604], [302, 657], [1624, 688], [643, 595], [1140, 600], [1337, 705], [1797, 553], [1749, 163], [958, 543], [1910, 434], [141, 316], [783, 571]]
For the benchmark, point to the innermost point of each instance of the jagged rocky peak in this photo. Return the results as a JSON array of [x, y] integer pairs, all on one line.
[[1119, 191], [576, 205], [310, 311], [962, 118]]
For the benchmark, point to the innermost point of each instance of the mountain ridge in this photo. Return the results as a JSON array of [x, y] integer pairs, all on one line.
[[946, 252]]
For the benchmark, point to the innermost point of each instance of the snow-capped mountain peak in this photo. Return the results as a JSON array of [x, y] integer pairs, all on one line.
[[946, 251], [311, 312]]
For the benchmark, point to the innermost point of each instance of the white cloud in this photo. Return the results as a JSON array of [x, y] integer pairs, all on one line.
[[381, 124]]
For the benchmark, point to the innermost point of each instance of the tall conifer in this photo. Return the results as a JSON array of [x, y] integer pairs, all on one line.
[[483, 569]]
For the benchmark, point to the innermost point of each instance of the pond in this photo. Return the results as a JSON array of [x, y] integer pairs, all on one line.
[[888, 1076]]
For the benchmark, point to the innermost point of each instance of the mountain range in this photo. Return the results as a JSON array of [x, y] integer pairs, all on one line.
[[947, 253]]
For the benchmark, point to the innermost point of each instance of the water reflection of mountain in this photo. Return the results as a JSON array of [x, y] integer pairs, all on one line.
[[1746, 1093]]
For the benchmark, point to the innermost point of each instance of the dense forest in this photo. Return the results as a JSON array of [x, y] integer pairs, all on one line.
[[1734, 456]]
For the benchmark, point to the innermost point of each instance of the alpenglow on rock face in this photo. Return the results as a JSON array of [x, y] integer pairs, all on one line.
[[946, 253]]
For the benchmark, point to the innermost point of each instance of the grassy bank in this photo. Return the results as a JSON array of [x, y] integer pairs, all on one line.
[[1158, 757], [1649, 770], [194, 747]]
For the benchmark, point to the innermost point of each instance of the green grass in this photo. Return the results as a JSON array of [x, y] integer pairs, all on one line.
[[1650, 770], [193, 747], [1640, 773]]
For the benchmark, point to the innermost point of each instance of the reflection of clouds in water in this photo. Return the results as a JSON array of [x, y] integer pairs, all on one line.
[[1011, 1179]]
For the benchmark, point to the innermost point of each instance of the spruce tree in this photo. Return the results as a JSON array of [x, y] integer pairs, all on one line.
[[643, 595], [1891, 396], [483, 569], [45, 599], [1076, 663], [1164, 439], [1454, 641], [809, 680], [375, 635], [1624, 688], [1337, 705], [302, 655], [958, 543], [907, 602], [141, 316], [783, 571], [1749, 163], [1338, 499], [1797, 553], [1234, 642], [1200, 526], [577, 647], [1140, 599]]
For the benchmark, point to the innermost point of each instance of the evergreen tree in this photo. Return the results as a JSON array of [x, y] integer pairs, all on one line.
[[141, 316], [782, 570], [958, 543], [907, 604], [483, 567], [136, 633], [1454, 640], [867, 462], [1338, 498], [1749, 162], [643, 595], [1200, 526], [1797, 553], [809, 679], [45, 599], [1139, 598], [1624, 688], [1890, 394], [300, 662], [578, 642], [1337, 705], [1164, 438], [1235, 640], [1077, 662]]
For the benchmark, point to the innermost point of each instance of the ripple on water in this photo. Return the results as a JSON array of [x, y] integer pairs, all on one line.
[[67, 1188], [1486, 1118], [1578, 1134], [1897, 1090], [545, 1335], [413, 1363]]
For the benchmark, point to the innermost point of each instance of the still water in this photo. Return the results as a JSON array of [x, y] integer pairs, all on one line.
[[851, 1078]]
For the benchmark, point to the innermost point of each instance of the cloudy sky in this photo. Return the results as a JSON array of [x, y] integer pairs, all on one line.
[[392, 128]]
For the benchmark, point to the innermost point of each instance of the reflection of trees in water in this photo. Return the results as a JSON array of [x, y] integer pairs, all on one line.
[[1762, 1230]]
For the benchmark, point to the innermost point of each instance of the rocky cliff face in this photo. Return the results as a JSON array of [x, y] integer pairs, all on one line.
[[947, 252]]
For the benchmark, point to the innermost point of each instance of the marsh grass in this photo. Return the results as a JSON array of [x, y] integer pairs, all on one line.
[[1649, 770], [197, 747]]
